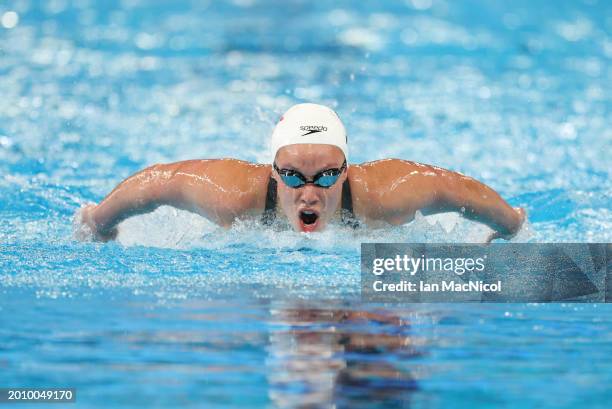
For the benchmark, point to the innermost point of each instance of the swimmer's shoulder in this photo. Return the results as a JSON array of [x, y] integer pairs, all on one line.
[[375, 186], [380, 174], [241, 185]]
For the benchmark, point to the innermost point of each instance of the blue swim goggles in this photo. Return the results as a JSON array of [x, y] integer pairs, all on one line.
[[325, 179]]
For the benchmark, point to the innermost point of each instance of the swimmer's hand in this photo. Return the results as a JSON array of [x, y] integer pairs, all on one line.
[[521, 217], [85, 228]]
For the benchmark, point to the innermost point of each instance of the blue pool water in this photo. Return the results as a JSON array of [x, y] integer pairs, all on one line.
[[180, 313]]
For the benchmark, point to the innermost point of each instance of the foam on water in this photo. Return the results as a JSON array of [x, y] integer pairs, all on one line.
[[174, 254], [171, 254], [172, 228]]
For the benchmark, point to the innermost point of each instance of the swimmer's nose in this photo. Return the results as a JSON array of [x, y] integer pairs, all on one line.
[[309, 195]]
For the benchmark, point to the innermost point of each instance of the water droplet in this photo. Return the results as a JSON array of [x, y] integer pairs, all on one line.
[[567, 130], [421, 4], [9, 19]]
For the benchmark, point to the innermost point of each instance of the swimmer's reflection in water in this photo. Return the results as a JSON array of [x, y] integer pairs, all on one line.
[[339, 358], [309, 184]]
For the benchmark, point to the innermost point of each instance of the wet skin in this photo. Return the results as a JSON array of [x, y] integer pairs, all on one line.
[[384, 192], [322, 202]]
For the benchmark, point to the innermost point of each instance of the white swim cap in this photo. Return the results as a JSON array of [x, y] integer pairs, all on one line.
[[309, 123]]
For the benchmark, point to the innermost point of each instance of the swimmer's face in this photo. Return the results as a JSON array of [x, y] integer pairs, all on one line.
[[310, 207]]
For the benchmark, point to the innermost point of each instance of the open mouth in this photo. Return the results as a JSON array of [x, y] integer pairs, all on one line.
[[307, 217], [308, 220]]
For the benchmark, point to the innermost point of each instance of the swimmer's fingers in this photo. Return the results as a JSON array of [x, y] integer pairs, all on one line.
[[499, 235], [85, 228], [493, 236], [81, 230], [106, 236], [522, 214]]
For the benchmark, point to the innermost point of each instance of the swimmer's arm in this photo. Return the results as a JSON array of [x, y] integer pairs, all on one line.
[[190, 185], [431, 190], [475, 201]]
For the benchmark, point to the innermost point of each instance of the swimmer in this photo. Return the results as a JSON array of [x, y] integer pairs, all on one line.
[[309, 184]]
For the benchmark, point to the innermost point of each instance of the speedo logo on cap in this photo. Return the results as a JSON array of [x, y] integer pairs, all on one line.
[[310, 129]]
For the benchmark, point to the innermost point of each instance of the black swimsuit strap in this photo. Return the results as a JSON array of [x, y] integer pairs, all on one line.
[[269, 214], [347, 215], [347, 200]]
